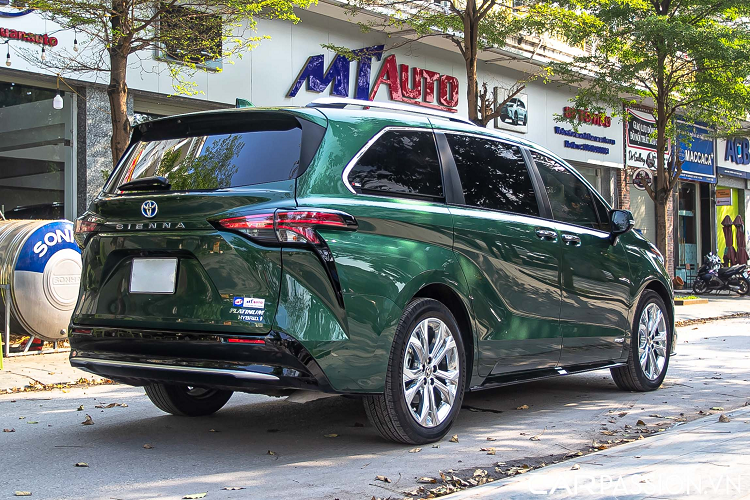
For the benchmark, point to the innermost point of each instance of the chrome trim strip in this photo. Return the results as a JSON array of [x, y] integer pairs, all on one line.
[[368, 144], [173, 368]]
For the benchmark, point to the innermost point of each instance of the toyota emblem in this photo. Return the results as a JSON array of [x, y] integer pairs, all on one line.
[[149, 208]]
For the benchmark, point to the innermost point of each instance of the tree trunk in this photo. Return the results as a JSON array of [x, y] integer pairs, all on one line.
[[117, 91], [663, 229], [471, 38]]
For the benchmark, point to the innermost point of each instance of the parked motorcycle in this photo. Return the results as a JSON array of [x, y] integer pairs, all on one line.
[[714, 278]]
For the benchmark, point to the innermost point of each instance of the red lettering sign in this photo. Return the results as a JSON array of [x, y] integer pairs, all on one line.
[[586, 116], [401, 89], [24, 36]]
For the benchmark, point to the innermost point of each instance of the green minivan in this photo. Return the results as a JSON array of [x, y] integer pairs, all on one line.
[[383, 251]]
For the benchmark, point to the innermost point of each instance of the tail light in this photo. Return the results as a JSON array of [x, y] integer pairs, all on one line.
[[86, 225], [289, 226]]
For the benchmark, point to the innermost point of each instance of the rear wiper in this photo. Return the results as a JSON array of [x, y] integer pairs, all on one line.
[[146, 183]]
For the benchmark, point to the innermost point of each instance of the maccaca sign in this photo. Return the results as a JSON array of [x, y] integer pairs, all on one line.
[[419, 86]]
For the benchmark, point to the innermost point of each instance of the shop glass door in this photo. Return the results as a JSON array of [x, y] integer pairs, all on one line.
[[36, 154], [687, 237]]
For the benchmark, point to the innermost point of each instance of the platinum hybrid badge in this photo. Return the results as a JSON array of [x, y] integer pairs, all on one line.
[[149, 208]]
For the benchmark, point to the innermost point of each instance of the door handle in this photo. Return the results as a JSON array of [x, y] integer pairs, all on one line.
[[547, 234], [571, 240]]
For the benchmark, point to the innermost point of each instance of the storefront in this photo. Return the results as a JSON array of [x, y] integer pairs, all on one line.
[[695, 224], [68, 148], [733, 169]]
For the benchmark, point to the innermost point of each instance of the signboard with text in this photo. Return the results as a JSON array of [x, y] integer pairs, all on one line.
[[733, 157], [696, 150]]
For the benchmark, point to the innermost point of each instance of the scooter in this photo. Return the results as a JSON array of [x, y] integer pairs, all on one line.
[[714, 278]]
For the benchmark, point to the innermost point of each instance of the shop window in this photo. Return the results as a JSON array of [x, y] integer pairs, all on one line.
[[191, 36], [36, 153]]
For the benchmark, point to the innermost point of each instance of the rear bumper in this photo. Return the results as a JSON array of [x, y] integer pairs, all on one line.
[[140, 357]]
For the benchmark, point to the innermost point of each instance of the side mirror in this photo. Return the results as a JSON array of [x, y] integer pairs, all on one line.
[[621, 222]]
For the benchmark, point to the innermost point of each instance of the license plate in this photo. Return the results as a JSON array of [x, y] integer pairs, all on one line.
[[153, 275]]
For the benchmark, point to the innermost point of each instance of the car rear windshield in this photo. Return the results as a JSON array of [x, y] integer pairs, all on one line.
[[233, 156]]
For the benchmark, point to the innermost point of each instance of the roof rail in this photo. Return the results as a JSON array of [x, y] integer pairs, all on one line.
[[341, 102]]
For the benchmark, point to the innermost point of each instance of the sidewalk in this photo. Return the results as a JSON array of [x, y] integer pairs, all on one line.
[[704, 459], [718, 306], [47, 369], [40, 369]]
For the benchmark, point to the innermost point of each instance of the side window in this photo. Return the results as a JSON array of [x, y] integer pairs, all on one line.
[[570, 198], [493, 175], [403, 162], [603, 211]]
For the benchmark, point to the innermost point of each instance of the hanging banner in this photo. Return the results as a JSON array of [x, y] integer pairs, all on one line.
[[696, 150], [640, 139]]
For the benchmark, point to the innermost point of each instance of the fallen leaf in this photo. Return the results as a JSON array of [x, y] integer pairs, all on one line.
[[21, 418], [656, 415], [88, 421], [382, 478], [415, 450], [479, 473], [331, 435], [195, 495], [641, 423], [80, 408], [574, 454], [717, 408], [454, 438], [575, 467], [436, 446], [724, 419], [490, 451], [271, 452], [427, 480], [22, 493], [607, 433], [523, 407], [233, 488], [622, 414], [81, 464], [148, 446], [9, 430], [491, 439], [32, 422]]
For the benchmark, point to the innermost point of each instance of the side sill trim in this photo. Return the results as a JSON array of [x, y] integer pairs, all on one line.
[[173, 368]]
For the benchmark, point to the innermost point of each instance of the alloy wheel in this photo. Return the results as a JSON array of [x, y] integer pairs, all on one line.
[[431, 372], [652, 341]]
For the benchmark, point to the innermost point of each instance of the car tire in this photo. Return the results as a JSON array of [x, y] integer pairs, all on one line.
[[186, 401], [390, 413], [634, 376], [515, 119], [525, 118]]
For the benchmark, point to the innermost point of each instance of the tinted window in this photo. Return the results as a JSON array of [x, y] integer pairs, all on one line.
[[570, 198], [216, 161], [400, 162], [493, 175], [603, 212]]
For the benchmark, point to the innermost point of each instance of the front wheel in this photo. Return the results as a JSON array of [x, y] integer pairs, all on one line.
[[650, 345], [426, 377], [185, 400]]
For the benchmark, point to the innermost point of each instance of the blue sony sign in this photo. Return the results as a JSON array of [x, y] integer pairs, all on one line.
[[697, 153]]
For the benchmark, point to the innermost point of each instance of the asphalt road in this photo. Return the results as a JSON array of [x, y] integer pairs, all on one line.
[[280, 450]]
